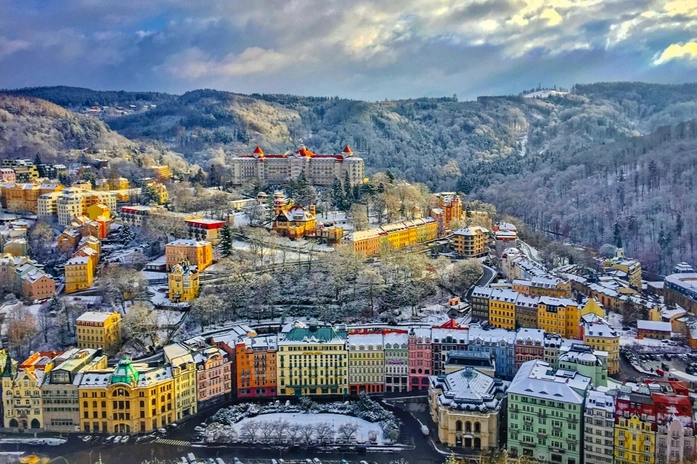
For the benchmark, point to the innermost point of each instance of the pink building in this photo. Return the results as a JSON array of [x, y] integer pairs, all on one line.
[[213, 376], [448, 337], [8, 175], [420, 361]]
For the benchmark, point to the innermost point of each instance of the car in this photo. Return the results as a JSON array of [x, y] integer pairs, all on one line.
[[198, 428], [125, 439], [660, 372], [173, 426], [162, 431], [108, 440], [117, 440], [87, 438]]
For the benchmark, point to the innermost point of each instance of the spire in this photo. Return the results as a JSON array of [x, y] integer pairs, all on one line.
[[258, 150], [347, 149]]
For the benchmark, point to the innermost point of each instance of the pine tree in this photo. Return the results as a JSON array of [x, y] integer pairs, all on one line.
[[348, 191], [338, 194], [226, 241]]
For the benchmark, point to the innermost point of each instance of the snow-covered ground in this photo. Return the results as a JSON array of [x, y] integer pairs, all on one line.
[[336, 420]]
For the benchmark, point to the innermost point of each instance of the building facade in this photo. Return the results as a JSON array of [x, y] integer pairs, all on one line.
[[183, 283], [366, 362], [559, 315], [545, 412], [312, 360], [471, 242], [98, 330], [79, 274], [396, 360], [420, 354], [183, 366], [469, 410], [256, 366], [598, 428], [197, 253]]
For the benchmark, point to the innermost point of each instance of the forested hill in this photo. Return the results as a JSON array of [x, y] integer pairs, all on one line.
[[439, 141], [638, 193], [31, 126]]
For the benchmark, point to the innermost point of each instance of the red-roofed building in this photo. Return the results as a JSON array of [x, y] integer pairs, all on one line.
[[205, 229], [319, 169]]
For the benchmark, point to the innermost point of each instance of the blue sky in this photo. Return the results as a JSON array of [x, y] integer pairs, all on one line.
[[356, 49]]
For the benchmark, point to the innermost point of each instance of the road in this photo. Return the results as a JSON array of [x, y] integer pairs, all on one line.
[[488, 275]]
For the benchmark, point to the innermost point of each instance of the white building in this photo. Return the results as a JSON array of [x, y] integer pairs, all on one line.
[[599, 423]]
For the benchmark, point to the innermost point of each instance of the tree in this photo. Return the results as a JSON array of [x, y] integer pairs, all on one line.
[[120, 284], [347, 431], [249, 430], [40, 238], [464, 274], [21, 328], [207, 309], [280, 428], [226, 241], [306, 432], [373, 283], [324, 431], [359, 216], [293, 432], [338, 198], [140, 324]]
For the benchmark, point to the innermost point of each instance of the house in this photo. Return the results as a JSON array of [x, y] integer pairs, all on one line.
[[471, 242], [197, 253], [654, 329], [183, 283], [79, 274], [98, 330]]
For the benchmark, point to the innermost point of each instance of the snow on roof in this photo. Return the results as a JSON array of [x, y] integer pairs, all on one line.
[[188, 243], [670, 313], [469, 389], [503, 294], [530, 335], [395, 338], [527, 301], [355, 341], [595, 326], [538, 379], [551, 301], [600, 400], [482, 292], [77, 260], [654, 325], [471, 231], [477, 335], [94, 316]]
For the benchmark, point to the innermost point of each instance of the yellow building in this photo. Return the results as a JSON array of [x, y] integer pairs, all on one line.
[[559, 316], [21, 393], [312, 360], [592, 307], [550, 286], [75, 202], [366, 362], [197, 253], [184, 374], [631, 267], [161, 172], [158, 192], [130, 398], [470, 242], [79, 274], [635, 440], [296, 222], [597, 333], [183, 283], [98, 209], [98, 330], [502, 308], [393, 236]]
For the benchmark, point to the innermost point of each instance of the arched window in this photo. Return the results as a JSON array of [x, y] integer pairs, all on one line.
[[468, 426], [477, 427], [94, 404], [458, 426], [35, 424], [477, 443], [14, 423]]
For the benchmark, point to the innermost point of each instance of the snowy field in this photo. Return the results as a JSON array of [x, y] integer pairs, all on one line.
[[336, 420]]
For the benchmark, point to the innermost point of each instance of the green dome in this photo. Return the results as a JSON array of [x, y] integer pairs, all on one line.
[[125, 373]]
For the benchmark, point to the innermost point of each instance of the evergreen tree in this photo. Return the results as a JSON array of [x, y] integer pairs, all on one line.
[[338, 194], [390, 176], [226, 241], [348, 192], [618, 235], [37, 160]]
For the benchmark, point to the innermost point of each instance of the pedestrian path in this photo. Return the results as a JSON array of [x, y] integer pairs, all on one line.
[[167, 441]]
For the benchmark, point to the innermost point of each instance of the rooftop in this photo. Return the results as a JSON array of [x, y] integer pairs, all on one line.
[[538, 379], [94, 316]]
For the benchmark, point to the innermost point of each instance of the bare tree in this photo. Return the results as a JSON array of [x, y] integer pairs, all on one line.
[[21, 328], [293, 432], [267, 429], [249, 430], [207, 309], [324, 431], [120, 284], [140, 323], [306, 432], [280, 427], [347, 431]]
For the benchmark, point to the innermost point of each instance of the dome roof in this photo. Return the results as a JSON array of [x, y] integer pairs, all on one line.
[[125, 372]]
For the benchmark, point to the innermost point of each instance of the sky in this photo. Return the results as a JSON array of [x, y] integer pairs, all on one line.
[[369, 50]]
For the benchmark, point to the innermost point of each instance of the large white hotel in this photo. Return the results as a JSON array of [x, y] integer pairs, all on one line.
[[282, 168]]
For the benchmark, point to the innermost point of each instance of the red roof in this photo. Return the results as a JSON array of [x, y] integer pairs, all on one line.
[[347, 149], [451, 324], [258, 150], [305, 152]]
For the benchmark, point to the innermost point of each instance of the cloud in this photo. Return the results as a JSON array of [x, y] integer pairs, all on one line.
[[8, 47], [361, 49], [194, 63], [687, 51]]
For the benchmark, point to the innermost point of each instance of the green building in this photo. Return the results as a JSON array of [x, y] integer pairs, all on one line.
[[545, 413], [586, 361]]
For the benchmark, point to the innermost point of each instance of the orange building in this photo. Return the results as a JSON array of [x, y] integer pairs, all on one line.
[[451, 206], [25, 197], [68, 240], [37, 285], [255, 360], [197, 253]]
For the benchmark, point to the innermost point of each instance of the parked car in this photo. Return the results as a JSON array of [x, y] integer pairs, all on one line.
[[117, 440], [125, 439]]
